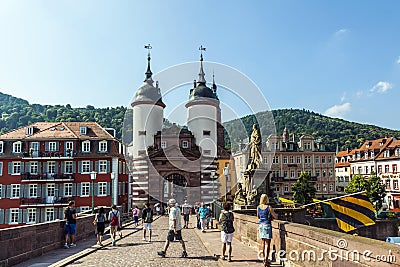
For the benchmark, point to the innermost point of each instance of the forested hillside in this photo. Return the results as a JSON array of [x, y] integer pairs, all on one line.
[[16, 112]]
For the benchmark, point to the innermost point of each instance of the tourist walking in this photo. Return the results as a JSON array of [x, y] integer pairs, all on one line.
[[175, 229], [203, 215], [186, 208], [265, 213], [70, 225], [114, 217], [147, 219], [226, 221], [100, 221], [135, 213], [210, 217]]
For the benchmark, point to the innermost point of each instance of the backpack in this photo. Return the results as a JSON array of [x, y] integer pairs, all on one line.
[[227, 227], [114, 221], [149, 216]]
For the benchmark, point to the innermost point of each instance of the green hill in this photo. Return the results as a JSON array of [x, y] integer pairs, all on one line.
[[16, 112]]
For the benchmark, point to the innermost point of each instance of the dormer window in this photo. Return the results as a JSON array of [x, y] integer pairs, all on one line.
[[1, 147], [17, 147], [185, 144], [29, 130], [86, 146], [82, 130], [103, 146], [386, 153], [397, 152], [163, 144], [366, 155]]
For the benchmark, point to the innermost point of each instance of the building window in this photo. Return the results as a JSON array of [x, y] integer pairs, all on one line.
[[387, 184], [298, 174], [323, 159], [69, 146], [163, 144], [34, 167], [366, 169], [396, 184], [323, 173], [49, 214], [318, 187], [31, 216], [206, 133], [86, 146], [317, 160], [141, 133], [102, 166], [51, 167], [207, 152], [1, 147], [15, 190], [285, 160], [14, 215], [85, 189], [324, 188], [307, 146], [291, 174], [380, 169], [102, 188], [103, 146], [51, 190], [69, 167], [330, 173], [317, 173], [16, 167], [285, 174], [307, 159], [82, 130], [185, 144], [372, 154], [84, 208], [17, 147], [275, 160], [286, 188], [298, 160], [331, 187], [85, 166], [386, 153], [33, 190], [386, 168], [366, 155], [67, 190], [329, 159], [394, 167], [265, 160], [52, 146], [291, 159]]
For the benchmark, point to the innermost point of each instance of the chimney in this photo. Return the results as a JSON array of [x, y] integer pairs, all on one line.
[[194, 83]]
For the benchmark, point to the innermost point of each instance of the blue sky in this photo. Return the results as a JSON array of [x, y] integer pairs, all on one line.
[[340, 58]]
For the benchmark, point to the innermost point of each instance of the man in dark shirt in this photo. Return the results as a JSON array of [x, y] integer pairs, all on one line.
[[147, 219], [70, 224]]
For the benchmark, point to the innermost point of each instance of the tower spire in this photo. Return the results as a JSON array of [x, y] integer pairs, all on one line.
[[148, 72], [214, 86], [201, 80]]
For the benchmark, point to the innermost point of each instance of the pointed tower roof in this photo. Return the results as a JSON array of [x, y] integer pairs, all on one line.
[[147, 93], [201, 90]]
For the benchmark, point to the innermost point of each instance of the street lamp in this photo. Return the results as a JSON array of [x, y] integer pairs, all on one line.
[[112, 188], [93, 177]]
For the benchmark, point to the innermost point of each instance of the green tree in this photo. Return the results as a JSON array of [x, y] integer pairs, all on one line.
[[358, 183], [304, 190]]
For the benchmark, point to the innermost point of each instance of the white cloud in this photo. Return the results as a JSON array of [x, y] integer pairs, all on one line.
[[341, 32], [343, 97], [381, 87], [338, 111]]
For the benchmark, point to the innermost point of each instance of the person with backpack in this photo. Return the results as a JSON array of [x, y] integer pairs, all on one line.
[[226, 221], [147, 219], [135, 214], [70, 224], [114, 217], [100, 221], [265, 213]]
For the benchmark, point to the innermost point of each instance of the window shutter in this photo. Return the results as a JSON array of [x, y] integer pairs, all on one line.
[[57, 168], [39, 167], [73, 167], [27, 167], [46, 146], [96, 166], [91, 166], [8, 191], [61, 191], [22, 167], [25, 215], [79, 166], [3, 191], [25, 190], [44, 191], [108, 189], [43, 215], [108, 166], [44, 167], [74, 189], [20, 216], [37, 216], [1, 216], [62, 170], [7, 221], [96, 189], [39, 191], [79, 191], [57, 146], [10, 168]]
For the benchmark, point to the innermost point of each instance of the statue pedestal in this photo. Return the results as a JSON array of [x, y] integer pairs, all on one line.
[[244, 207]]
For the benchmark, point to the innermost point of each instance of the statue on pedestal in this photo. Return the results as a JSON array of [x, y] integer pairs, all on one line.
[[240, 196]]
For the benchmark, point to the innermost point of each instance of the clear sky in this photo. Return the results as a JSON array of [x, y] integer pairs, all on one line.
[[339, 58]]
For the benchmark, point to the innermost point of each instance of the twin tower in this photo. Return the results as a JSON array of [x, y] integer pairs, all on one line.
[[203, 115]]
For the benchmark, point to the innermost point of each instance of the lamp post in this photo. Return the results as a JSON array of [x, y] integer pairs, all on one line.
[[112, 188], [93, 177]]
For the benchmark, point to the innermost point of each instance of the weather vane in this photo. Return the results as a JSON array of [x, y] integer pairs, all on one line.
[[201, 48], [148, 47]]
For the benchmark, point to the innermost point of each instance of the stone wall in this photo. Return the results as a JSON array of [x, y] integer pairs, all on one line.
[[24, 242], [311, 246]]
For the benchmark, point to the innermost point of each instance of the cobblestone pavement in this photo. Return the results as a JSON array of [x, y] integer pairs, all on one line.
[[131, 250]]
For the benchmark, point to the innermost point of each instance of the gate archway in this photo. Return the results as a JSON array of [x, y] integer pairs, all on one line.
[[175, 187]]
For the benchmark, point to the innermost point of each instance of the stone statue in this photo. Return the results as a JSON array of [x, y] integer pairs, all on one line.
[[255, 149], [240, 197], [251, 197]]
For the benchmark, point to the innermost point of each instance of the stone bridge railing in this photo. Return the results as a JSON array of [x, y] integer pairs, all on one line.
[[303, 245], [21, 243]]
